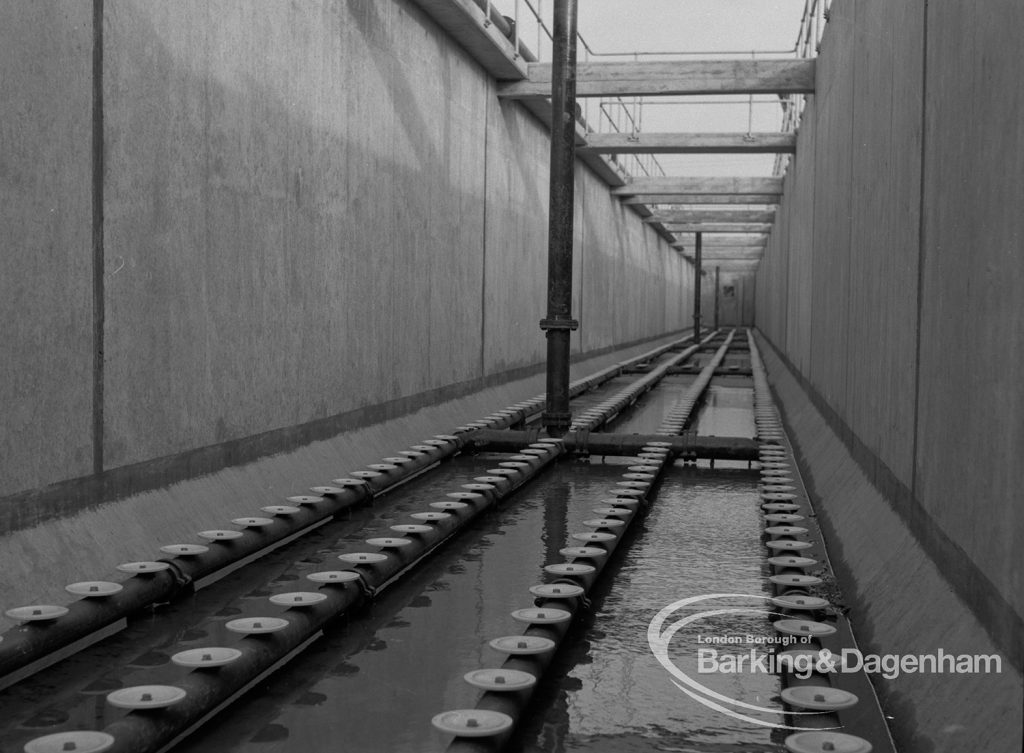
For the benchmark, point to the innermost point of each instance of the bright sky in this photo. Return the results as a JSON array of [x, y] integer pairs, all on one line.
[[735, 27]]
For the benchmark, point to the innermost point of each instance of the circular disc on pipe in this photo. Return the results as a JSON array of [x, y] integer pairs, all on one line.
[[253, 522], [522, 645], [588, 552], [220, 535], [795, 579], [621, 501], [36, 612], [93, 588], [500, 680], [614, 512], [142, 568], [281, 509], [556, 590], [541, 615], [206, 657], [568, 568], [389, 542], [803, 627], [819, 742], [78, 741], [333, 576], [305, 499], [327, 490], [472, 722], [411, 528], [636, 476], [298, 598], [365, 474], [784, 530], [184, 550], [634, 484], [603, 523], [783, 518], [634, 493], [362, 558], [146, 697], [349, 483], [795, 601], [592, 536], [783, 545], [256, 625], [448, 505], [434, 517], [791, 561]]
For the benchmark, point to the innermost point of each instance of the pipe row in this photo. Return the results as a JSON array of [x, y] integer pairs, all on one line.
[[49, 631], [815, 702], [508, 689], [591, 418], [265, 648], [294, 619], [677, 417]]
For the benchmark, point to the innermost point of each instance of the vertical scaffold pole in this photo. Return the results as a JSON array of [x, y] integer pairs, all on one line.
[[696, 287], [718, 281], [559, 322]]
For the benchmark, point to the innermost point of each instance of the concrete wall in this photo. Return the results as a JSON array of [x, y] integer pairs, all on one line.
[[893, 286], [314, 215]]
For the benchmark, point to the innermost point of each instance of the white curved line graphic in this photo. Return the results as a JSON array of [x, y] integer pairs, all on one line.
[[659, 642]]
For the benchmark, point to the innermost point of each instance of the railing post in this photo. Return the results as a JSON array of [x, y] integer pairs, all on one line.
[[559, 322]]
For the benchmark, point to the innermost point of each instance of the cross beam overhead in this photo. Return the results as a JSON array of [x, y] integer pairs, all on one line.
[[671, 78], [700, 185], [712, 215], [690, 143]]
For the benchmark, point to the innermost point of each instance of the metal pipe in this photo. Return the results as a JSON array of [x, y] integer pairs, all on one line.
[[559, 322], [688, 445], [718, 281], [262, 654], [696, 286]]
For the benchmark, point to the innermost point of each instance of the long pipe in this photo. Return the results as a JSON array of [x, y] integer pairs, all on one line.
[[696, 286], [262, 654], [559, 322]]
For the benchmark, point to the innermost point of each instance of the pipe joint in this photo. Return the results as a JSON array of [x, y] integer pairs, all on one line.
[[556, 324]]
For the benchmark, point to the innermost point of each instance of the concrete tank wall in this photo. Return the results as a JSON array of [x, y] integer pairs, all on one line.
[[314, 216], [892, 287]]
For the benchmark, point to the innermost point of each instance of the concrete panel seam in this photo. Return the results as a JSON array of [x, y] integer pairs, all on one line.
[[98, 264]]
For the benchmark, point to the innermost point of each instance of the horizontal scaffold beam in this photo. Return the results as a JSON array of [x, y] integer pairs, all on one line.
[[718, 227], [689, 216], [711, 242], [750, 254], [671, 78], [690, 143], [700, 185], [690, 200]]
